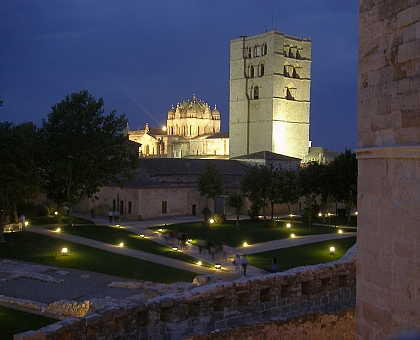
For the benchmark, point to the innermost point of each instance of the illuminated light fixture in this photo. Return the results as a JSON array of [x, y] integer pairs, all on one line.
[[56, 213], [118, 226], [58, 230], [291, 215], [190, 240], [356, 213], [141, 235], [121, 244], [332, 250], [164, 128], [64, 251], [292, 236], [175, 248], [211, 220], [26, 223], [320, 214], [288, 225], [160, 230], [245, 244], [340, 231], [199, 263], [218, 265]]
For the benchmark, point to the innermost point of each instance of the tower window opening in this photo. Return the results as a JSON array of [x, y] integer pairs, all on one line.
[[261, 70], [255, 92], [251, 71]]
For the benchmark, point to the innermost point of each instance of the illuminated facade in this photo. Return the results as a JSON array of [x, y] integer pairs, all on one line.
[[269, 94]]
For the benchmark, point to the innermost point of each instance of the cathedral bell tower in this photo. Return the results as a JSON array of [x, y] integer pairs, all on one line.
[[269, 104]]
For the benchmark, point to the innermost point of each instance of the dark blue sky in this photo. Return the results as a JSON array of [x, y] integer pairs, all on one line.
[[142, 56]]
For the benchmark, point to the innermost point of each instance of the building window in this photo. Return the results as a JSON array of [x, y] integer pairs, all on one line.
[[255, 92], [129, 207], [249, 52], [164, 206], [257, 50], [264, 49], [261, 70], [251, 71]]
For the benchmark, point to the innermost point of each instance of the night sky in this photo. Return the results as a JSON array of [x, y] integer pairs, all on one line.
[[144, 56]]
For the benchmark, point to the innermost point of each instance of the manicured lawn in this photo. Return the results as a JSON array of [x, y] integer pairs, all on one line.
[[32, 247], [303, 255], [14, 322], [114, 235], [248, 231]]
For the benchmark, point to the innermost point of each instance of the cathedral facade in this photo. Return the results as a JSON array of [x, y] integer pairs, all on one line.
[[269, 95], [192, 131]]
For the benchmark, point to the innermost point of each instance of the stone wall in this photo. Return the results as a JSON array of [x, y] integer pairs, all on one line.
[[325, 288], [388, 259]]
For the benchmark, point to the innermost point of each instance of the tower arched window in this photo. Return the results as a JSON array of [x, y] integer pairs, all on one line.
[[257, 51], [251, 71], [264, 49], [290, 53], [262, 69], [299, 53], [255, 92], [249, 52]]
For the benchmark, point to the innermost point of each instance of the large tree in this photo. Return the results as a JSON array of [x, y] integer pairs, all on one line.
[[84, 149], [344, 179], [256, 186], [210, 183], [19, 176], [235, 200]]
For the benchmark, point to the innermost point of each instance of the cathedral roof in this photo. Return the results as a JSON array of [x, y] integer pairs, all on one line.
[[268, 156], [193, 103]]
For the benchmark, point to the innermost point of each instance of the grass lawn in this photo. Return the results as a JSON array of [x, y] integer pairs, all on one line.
[[114, 235], [249, 231], [303, 255], [32, 247], [14, 322]]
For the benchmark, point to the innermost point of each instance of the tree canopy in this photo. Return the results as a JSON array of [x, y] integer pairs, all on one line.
[[19, 176], [210, 183], [84, 149]]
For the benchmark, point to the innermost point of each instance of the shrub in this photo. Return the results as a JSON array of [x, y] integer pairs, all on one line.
[[219, 218], [270, 223]]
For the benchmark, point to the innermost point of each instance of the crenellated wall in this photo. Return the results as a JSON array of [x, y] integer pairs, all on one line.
[[326, 288]]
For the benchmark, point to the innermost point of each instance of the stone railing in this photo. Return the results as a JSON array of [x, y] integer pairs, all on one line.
[[219, 306]]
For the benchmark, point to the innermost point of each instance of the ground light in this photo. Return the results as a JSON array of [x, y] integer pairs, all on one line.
[[340, 231], [288, 225], [64, 251], [199, 263], [332, 250], [160, 230], [121, 244], [292, 236], [218, 265], [174, 248], [26, 223], [245, 244], [58, 230], [211, 220], [141, 235]]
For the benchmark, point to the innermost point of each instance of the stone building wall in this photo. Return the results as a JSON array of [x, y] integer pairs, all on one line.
[[388, 259], [325, 288], [269, 94]]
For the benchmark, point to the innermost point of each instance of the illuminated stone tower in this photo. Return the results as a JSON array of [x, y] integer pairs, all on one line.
[[270, 77]]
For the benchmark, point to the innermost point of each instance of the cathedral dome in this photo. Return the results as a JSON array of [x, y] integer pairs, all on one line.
[[194, 108], [171, 113], [215, 113]]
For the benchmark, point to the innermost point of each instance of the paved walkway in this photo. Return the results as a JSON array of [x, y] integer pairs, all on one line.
[[228, 270]]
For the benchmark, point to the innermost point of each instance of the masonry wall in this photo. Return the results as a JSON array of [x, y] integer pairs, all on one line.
[[388, 259], [225, 305]]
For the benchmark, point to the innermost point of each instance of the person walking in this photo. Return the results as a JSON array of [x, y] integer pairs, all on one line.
[[274, 267], [237, 263], [244, 263]]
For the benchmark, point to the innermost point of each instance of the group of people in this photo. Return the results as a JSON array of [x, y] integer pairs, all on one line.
[[179, 237], [113, 215], [240, 263], [216, 251]]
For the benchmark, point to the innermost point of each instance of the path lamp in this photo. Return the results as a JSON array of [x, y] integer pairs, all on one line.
[[292, 236], [218, 266], [332, 250], [288, 225], [199, 263], [121, 244], [64, 251]]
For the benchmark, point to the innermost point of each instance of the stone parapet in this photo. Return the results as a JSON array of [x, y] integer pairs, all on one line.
[[324, 288]]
